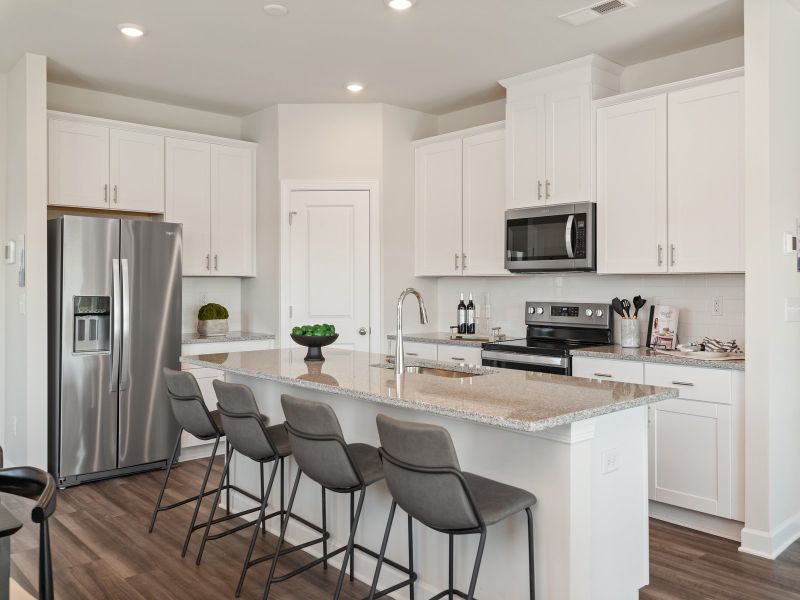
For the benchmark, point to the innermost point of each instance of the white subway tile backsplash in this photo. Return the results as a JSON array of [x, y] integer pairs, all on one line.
[[201, 290], [691, 293]]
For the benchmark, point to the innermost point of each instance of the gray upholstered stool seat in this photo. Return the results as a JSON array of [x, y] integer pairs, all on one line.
[[497, 501]]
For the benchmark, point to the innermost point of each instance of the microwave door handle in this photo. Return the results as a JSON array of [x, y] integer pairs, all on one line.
[[116, 315], [568, 237], [126, 327]]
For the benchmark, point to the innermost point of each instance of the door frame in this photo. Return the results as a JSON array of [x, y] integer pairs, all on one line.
[[372, 186]]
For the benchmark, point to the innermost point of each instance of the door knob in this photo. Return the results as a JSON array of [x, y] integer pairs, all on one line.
[[362, 331]]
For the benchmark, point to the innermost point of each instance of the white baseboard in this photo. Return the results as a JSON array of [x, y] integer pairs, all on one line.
[[698, 521], [200, 451], [770, 544]]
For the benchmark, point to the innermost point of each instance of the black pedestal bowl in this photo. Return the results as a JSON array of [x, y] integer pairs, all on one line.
[[314, 343]]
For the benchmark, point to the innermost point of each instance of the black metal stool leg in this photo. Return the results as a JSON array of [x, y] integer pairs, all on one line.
[[263, 525], [411, 557], [228, 454], [254, 537], [166, 479], [474, 581], [384, 543], [531, 570], [283, 485], [213, 511], [284, 525], [324, 530], [352, 550], [200, 497], [351, 541], [450, 568]]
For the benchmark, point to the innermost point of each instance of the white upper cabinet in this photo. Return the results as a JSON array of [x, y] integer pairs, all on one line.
[[232, 211], [484, 203], [438, 171], [526, 148], [706, 178], [136, 171], [568, 136], [188, 200], [632, 187], [670, 179], [78, 164], [460, 203]]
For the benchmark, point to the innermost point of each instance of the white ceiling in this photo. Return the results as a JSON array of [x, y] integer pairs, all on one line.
[[228, 56]]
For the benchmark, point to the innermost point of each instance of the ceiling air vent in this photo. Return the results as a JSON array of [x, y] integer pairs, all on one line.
[[595, 11]]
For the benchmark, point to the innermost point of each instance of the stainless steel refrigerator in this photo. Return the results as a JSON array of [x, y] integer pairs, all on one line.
[[114, 321]]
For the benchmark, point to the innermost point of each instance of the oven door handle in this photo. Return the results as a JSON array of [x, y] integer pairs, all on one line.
[[568, 237], [528, 359]]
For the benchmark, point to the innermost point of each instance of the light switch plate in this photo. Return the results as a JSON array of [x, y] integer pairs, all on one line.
[[10, 252], [610, 461]]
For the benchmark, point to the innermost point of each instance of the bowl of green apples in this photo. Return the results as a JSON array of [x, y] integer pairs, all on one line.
[[314, 337]]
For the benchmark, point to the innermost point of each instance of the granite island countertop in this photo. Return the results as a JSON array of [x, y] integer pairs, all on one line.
[[231, 336], [504, 398], [617, 352]]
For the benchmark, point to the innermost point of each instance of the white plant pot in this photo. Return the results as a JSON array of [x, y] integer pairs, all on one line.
[[212, 327]]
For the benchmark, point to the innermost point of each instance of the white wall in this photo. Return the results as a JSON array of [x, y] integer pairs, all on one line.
[[772, 419], [25, 308], [3, 239], [198, 291], [482, 114]]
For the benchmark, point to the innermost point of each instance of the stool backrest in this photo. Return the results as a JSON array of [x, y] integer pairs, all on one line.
[[318, 445], [242, 421], [188, 405], [424, 476]]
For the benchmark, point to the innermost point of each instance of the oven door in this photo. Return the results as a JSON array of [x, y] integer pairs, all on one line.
[[551, 238], [560, 365]]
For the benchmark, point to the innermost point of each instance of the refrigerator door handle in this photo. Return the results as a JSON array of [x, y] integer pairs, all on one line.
[[126, 327], [116, 339]]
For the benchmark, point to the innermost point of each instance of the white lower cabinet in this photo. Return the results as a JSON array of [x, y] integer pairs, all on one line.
[[627, 371], [415, 349], [452, 353]]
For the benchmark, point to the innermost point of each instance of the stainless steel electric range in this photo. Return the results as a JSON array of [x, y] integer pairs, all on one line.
[[554, 329]]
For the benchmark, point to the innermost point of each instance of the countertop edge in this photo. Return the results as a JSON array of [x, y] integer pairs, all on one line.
[[230, 337], [616, 354], [423, 338]]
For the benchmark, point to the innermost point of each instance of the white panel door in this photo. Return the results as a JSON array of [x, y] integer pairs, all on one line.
[[438, 210], [188, 201], [525, 152], [484, 204], [232, 211], [78, 164], [632, 187], [567, 175], [706, 178], [690, 455], [329, 262], [137, 171]]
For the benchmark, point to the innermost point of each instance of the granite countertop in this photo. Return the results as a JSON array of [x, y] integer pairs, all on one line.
[[231, 336], [438, 338], [617, 352], [508, 399]]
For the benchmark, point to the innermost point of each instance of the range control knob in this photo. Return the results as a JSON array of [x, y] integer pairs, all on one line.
[[598, 312], [530, 310], [589, 312], [539, 310]]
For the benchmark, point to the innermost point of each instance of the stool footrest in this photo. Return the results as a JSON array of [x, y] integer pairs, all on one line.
[[445, 593]]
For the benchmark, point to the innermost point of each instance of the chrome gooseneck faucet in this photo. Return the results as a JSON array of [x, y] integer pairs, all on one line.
[[399, 356]]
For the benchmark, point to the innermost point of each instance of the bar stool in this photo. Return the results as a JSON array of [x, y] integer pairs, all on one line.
[[248, 434], [321, 452], [425, 479], [194, 417]]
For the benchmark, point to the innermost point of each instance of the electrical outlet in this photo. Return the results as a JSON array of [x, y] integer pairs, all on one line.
[[203, 298], [610, 460], [716, 306]]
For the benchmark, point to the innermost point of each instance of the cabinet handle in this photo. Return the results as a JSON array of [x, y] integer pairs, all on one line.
[[457, 358], [208, 262], [456, 261], [685, 383], [216, 262], [411, 354], [603, 375], [105, 193], [660, 250], [540, 188], [115, 194], [672, 255], [463, 261], [547, 189]]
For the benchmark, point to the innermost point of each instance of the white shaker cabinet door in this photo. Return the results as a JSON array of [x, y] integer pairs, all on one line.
[[137, 171], [188, 172], [438, 209], [632, 187], [484, 204], [568, 146], [525, 153], [706, 178], [232, 211], [78, 164]]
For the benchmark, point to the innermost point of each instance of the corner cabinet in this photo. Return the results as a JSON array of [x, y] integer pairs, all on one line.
[[670, 179], [460, 203]]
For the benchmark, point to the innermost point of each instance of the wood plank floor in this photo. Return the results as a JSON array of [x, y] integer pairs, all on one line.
[[101, 549]]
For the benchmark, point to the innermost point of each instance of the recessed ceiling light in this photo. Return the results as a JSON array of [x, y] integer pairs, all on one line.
[[400, 4], [276, 10], [355, 87], [131, 30]]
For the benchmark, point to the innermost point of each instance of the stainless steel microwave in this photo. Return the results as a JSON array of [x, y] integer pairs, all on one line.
[[551, 238]]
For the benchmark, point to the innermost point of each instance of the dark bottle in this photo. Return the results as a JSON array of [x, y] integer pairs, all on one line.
[[462, 315], [470, 315]]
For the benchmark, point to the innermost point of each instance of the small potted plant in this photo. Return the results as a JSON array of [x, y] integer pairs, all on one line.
[[212, 320]]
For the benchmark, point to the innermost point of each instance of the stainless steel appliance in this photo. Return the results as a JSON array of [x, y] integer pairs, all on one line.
[[114, 321], [553, 331], [551, 238]]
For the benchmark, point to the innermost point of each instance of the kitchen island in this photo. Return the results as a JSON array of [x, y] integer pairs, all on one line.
[[579, 445]]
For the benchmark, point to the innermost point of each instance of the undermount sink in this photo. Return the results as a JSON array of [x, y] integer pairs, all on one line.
[[418, 370]]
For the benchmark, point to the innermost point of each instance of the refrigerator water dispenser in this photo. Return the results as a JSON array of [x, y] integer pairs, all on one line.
[[92, 324]]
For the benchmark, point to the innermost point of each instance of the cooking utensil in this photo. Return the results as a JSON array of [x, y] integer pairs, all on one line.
[[639, 303], [626, 306], [616, 304]]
